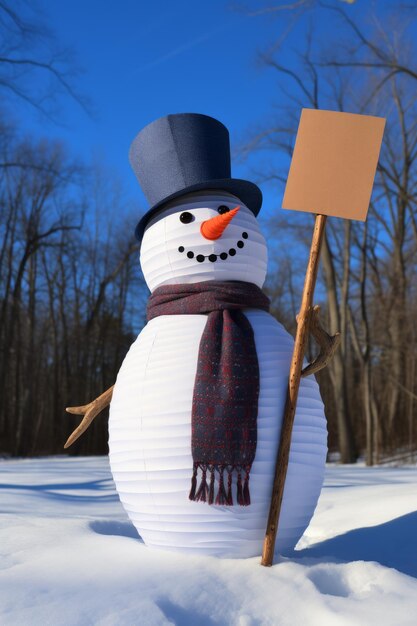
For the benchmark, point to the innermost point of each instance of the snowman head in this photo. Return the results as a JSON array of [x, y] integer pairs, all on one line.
[[206, 235]]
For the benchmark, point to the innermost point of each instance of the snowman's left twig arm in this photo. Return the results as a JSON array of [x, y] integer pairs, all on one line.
[[90, 411], [328, 344]]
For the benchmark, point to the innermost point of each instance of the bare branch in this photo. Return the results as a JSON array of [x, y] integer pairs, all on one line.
[[90, 411]]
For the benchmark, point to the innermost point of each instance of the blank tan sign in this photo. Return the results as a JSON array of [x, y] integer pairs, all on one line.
[[334, 163]]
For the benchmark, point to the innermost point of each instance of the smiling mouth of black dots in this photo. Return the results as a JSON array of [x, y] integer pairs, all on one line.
[[200, 258]]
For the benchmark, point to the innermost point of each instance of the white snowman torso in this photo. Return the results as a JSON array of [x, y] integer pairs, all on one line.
[[150, 416]]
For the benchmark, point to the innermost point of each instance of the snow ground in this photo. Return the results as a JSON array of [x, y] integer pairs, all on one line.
[[70, 557]]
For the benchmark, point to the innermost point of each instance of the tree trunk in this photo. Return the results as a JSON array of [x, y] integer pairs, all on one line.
[[337, 369]]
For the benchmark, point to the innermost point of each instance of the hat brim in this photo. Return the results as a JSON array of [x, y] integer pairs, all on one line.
[[247, 192]]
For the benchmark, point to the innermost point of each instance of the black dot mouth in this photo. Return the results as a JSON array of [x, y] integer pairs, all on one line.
[[200, 258]]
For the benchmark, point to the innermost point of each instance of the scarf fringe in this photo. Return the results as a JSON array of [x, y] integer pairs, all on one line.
[[203, 490], [224, 497], [211, 490], [246, 494]]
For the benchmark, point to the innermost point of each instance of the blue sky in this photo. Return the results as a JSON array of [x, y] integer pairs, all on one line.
[[142, 60]]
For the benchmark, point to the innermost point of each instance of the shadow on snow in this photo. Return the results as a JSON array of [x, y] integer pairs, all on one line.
[[392, 544], [104, 487], [119, 529]]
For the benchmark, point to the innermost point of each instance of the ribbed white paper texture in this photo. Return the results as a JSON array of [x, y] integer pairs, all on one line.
[[150, 443], [162, 264]]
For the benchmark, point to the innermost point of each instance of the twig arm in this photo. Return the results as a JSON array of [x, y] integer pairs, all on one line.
[[328, 344], [90, 411]]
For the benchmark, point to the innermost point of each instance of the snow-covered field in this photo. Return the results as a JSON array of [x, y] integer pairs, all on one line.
[[69, 556]]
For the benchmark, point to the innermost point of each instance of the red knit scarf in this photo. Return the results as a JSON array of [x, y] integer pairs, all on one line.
[[226, 388]]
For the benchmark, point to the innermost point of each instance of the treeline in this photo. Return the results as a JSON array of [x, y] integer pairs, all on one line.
[[72, 299], [368, 285], [71, 294]]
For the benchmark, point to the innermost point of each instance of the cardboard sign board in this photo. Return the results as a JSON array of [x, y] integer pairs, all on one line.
[[334, 163]]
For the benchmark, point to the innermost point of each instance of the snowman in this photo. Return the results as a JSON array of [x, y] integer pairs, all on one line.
[[196, 410]]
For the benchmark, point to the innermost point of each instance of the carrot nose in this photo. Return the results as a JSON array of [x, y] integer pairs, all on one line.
[[214, 227]]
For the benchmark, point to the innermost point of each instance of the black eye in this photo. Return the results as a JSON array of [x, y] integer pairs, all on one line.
[[223, 209], [186, 217]]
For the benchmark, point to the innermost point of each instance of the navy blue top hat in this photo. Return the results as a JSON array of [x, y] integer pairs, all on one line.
[[181, 153]]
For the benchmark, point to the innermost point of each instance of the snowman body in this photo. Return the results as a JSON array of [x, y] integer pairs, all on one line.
[[150, 415]]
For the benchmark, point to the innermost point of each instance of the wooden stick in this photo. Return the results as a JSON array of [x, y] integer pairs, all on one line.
[[90, 411], [300, 343]]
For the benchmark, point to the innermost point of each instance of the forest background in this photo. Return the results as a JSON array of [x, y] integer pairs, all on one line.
[[72, 298]]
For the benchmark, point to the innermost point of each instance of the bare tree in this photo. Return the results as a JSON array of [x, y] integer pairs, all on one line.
[[71, 295], [367, 269], [34, 69]]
